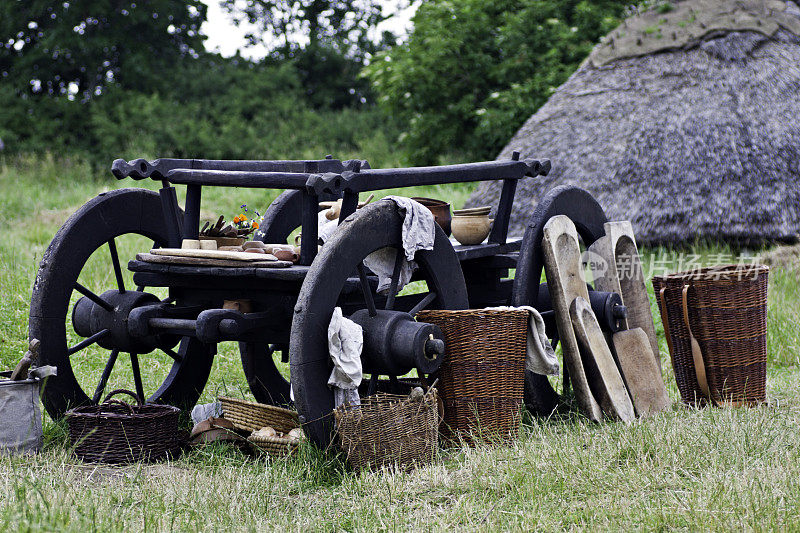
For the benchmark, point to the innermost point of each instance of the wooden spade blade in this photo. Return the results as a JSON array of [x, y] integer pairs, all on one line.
[[562, 263], [622, 273], [601, 370], [641, 374]]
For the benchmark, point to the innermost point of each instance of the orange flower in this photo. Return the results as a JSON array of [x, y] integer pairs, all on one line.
[[242, 218], [254, 225], [236, 220]]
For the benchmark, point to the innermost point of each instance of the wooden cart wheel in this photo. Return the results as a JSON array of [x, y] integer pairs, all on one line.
[[338, 278], [93, 235], [540, 396]]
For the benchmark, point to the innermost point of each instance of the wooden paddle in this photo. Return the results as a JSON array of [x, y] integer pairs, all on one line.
[[562, 262], [601, 370], [640, 372]]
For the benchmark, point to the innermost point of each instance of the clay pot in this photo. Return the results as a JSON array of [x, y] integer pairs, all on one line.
[[440, 210], [471, 229], [286, 255]]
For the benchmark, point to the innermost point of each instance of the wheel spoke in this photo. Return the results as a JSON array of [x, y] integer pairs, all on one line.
[[425, 302], [87, 342], [367, 290], [398, 264], [172, 353], [112, 248], [93, 297], [104, 377], [137, 376]]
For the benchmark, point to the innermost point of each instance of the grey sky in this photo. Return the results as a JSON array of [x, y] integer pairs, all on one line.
[[226, 38]]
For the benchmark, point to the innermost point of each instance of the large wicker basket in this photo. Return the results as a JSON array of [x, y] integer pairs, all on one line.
[[389, 429], [117, 432], [481, 380], [726, 308], [252, 416]]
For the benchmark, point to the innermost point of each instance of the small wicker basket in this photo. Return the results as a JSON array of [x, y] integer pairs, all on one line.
[[726, 308], [483, 374], [252, 416], [117, 432], [389, 429], [277, 447]]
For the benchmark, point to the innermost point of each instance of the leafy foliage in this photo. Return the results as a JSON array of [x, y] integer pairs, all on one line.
[[472, 71], [77, 48]]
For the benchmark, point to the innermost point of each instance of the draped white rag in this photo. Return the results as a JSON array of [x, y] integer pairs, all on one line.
[[540, 358], [418, 233], [345, 340]]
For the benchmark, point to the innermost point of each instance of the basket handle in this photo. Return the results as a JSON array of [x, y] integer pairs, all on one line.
[[697, 353], [662, 304], [123, 391]]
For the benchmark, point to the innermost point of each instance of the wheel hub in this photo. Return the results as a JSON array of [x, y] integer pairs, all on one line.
[[89, 318], [395, 343]]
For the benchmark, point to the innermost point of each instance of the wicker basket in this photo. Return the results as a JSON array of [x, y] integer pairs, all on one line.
[[117, 432], [726, 307], [277, 447], [389, 429], [482, 377], [252, 416]]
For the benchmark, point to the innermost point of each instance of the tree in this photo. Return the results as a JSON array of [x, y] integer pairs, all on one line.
[[327, 40], [77, 48], [473, 71]]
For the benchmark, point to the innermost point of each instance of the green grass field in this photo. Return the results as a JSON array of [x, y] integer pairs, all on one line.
[[684, 469]]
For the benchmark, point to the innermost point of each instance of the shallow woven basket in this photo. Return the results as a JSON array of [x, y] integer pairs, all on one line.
[[727, 309], [117, 432], [252, 416], [389, 429], [482, 377], [277, 447]]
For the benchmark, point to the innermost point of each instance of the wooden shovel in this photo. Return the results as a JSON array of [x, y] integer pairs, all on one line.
[[562, 263], [601, 370], [620, 271], [640, 372]]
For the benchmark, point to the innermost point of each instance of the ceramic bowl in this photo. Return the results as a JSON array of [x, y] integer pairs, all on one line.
[[471, 229], [440, 210], [473, 211]]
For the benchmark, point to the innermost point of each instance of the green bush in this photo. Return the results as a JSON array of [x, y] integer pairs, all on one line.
[[473, 71]]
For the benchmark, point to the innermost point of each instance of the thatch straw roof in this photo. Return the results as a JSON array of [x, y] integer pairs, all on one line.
[[697, 138]]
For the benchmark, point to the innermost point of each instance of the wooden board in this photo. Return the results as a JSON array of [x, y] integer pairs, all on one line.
[[641, 374], [623, 274], [201, 261], [213, 254], [562, 263], [601, 369]]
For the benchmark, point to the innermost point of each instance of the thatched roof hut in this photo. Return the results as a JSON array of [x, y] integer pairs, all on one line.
[[684, 120]]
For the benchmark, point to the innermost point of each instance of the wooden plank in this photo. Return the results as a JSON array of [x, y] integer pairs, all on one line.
[[214, 254], [623, 274], [601, 369], [641, 373], [204, 261], [562, 261]]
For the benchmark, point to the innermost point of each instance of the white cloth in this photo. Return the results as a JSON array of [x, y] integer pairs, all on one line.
[[418, 233], [540, 357], [325, 227], [345, 341], [205, 411]]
